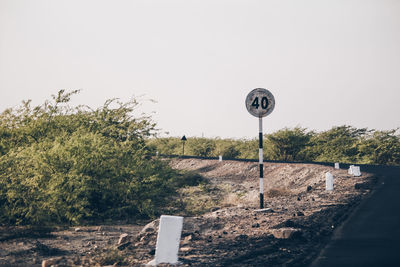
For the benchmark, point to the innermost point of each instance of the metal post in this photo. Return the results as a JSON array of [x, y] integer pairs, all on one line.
[[261, 163], [183, 139]]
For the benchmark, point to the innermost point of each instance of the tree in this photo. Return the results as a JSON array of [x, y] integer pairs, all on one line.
[[382, 147], [287, 144], [202, 147], [227, 148], [76, 165], [338, 144]]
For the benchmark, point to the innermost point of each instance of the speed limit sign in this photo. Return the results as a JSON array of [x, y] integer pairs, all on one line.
[[260, 102]]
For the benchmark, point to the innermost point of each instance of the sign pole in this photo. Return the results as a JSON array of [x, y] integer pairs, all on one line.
[[183, 139], [260, 103], [261, 159]]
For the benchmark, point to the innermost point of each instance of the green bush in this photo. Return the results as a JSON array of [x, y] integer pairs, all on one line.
[[380, 147], [76, 165], [340, 144], [167, 146], [227, 148], [203, 147], [287, 144]]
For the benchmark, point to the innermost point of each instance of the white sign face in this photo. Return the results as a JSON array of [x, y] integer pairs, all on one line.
[[260, 102]]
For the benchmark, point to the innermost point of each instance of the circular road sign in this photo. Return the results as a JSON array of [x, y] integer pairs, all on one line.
[[260, 102]]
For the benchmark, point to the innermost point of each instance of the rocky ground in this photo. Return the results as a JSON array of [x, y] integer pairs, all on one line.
[[300, 219]]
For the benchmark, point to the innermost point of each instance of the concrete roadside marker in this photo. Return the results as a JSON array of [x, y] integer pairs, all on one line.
[[168, 238], [337, 166], [350, 171], [356, 171], [220, 158], [329, 181]]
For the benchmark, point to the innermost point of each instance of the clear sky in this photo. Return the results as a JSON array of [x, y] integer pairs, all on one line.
[[326, 62]]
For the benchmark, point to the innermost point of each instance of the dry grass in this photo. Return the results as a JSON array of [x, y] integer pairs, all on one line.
[[278, 192]]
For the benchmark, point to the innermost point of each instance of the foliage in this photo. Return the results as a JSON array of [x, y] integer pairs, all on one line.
[[227, 148], [344, 144], [206, 147], [202, 147], [288, 144], [77, 165], [382, 147], [60, 164], [166, 146], [337, 144]]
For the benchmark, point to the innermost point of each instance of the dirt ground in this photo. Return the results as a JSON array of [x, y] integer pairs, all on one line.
[[300, 219]]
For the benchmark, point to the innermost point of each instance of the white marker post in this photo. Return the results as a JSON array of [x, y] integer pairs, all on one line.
[[350, 170], [168, 238], [328, 181], [356, 171], [260, 103]]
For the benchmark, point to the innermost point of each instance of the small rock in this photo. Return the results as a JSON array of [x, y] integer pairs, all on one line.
[[309, 188], [298, 198], [152, 252], [241, 237], [266, 210], [149, 230], [150, 227], [78, 229], [123, 238], [50, 262], [187, 239], [123, 246], [186, 249], [286, 233], [363, 186]]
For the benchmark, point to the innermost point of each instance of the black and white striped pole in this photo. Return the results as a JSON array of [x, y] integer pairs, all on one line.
[[261, 159], [260, 103]]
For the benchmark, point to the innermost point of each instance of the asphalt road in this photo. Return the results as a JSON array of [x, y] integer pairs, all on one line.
[[371, 234]]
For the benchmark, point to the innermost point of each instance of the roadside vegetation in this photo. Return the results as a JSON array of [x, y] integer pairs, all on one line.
[[64, 165], [344, 144]]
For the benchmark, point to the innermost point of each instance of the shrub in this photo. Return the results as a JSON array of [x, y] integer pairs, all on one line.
[[202, 147], [76, 165]]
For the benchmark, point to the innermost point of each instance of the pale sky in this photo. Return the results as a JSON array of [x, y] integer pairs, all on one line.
[[327, 63]]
